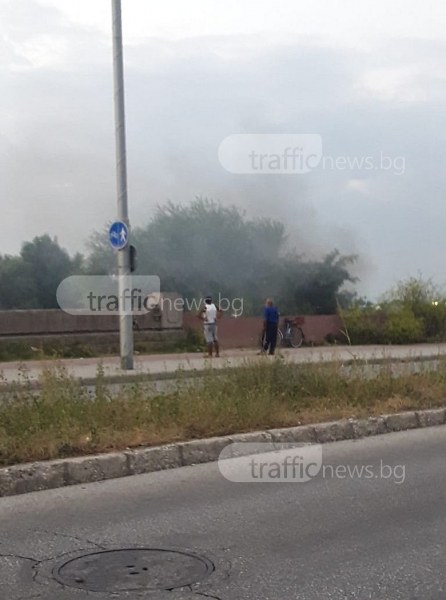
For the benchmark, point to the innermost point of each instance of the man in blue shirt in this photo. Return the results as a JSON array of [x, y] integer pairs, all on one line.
[[270, 326]]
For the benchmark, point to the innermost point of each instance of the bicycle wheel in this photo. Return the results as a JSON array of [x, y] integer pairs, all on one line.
[[262, 338], [296, 337]]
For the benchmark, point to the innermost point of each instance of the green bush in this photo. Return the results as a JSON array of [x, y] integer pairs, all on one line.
[[362, 326], [434, 320], [388, 325], [403, 328], [425, 301]]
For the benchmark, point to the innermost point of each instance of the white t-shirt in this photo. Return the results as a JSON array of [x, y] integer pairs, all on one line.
[[210, 316]]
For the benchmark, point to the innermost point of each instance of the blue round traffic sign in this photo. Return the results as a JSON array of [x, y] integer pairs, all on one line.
[[118, 235]]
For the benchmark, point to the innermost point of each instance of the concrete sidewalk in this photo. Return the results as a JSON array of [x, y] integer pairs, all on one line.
[[169, 363]]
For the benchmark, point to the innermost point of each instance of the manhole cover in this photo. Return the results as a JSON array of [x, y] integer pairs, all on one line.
[[123, 570]]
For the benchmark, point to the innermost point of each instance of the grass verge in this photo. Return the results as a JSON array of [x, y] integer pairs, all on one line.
[[64, 419]]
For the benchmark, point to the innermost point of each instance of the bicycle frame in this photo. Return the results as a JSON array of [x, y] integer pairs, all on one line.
[[285, 333], [286, 330]]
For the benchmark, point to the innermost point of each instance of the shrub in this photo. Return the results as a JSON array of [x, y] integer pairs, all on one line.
[[403, 328], [388, 325], [434, 320]]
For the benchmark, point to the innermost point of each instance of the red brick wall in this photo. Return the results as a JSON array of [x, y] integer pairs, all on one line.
[[244, 332], [234, 333], [45, 322]]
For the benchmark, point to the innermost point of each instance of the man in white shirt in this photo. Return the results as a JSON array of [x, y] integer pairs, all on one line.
[[209, 314]]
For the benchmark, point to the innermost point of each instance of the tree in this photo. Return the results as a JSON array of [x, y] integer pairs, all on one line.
[[314, 286], [199, 249], [31, 279], [101, 259], [206, 248], [49, 265], [17, 284]]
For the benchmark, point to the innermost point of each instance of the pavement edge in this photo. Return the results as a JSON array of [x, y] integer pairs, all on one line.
[[38, 476]]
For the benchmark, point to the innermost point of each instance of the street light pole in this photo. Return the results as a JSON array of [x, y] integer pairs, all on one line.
[[124, 276]]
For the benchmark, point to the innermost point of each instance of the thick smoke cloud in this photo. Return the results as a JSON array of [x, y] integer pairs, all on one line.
[[184, 97]]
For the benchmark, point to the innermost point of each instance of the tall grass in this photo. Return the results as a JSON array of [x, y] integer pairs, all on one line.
[[62, 418]]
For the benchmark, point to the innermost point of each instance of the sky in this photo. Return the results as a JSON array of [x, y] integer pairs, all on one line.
[[367, 76]]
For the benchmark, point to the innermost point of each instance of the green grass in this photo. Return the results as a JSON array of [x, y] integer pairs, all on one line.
[[63, 419]]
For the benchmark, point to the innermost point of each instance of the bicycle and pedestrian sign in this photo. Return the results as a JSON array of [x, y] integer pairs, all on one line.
[[118, 235]]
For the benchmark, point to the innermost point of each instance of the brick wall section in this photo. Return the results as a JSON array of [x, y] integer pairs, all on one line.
[[234, 333], [43, 322], [244, 332], [46, 322]]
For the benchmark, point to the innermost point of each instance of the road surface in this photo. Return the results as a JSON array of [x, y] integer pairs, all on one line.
[[169, 363], [380, 538]]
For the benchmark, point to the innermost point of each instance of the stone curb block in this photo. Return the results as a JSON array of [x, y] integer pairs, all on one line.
[[371, 426], [430, 418], [88, 470], [401, 421], [33, 477], [22, 479], [202, 451], [304, 434], [334, 431], [148, 460], [257, 437]]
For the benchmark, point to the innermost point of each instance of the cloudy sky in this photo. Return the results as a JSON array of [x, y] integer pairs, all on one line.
[[368, 76]]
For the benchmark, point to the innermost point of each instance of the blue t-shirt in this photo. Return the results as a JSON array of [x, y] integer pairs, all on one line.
[[271, 314]]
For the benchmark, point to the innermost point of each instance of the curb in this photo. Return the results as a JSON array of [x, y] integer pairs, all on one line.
[[33, 477]]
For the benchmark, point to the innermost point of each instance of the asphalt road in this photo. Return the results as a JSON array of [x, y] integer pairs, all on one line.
[[169, 363], [351, 537]]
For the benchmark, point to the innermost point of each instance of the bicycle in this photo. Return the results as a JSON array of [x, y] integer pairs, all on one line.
[[290, 333]]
